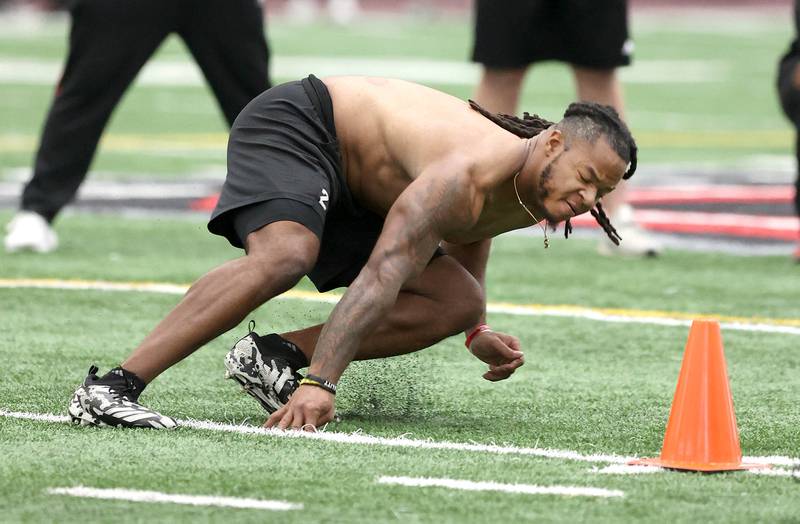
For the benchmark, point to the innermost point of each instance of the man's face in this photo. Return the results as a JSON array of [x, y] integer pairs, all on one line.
[[576, 178]]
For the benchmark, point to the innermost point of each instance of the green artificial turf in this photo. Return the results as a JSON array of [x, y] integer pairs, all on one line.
[[587, 386]]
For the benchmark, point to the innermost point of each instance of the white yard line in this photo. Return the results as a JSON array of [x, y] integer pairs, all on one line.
[[448, 72], [527, 489], [625, 469], [134, 495], [363, 439], [661, 318], [358, 438]]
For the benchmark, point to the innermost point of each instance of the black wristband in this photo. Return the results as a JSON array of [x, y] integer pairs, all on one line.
[[314, 380]]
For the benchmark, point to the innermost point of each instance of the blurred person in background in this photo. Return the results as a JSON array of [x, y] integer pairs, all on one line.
[[789, 93], [590, 36], [109, 43], [341, 12]]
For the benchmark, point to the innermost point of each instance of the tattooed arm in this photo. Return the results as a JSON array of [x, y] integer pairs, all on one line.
[[438, 202]]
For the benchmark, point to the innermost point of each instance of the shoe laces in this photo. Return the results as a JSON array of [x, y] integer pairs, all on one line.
[[118, 383]]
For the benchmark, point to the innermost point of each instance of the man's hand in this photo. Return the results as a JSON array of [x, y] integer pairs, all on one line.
[[308, 408], [500, 351]]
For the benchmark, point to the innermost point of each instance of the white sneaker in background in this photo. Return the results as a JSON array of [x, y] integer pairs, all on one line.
[[30, 231], [636, 242], [343, 12]]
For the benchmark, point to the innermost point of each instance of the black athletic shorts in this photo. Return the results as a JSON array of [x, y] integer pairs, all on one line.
[[284, 164], [585, 33]]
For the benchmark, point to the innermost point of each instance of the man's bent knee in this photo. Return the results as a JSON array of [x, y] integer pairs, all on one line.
[[469, 307], [460, 297], [283, 252]]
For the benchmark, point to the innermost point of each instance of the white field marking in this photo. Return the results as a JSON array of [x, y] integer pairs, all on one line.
[[526, 489], [662, 318], [774, 472], [358, 438], [127, 191], [625, 469], [135, 495], [447, 72], [363, 439]]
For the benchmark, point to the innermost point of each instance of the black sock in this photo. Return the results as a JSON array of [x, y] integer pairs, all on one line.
[[127, 379]]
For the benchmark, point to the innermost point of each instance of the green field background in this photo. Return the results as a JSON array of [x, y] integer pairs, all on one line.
[[588, 386]]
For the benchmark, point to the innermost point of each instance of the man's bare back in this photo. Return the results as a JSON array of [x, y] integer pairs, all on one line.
[[392, 131]]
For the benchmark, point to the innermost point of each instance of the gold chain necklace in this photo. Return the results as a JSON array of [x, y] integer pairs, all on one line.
[[535, 220]]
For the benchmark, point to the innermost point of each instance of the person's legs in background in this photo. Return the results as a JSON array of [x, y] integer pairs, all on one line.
[[499, 89], [108, 45], [789, 95], [511, 35], [226, 38]]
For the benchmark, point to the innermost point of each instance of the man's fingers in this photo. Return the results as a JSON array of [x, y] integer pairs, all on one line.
[[309, 423], [494, 376], [286, 420], [275, 417], [513, 343], [503, 371], [509, 352]]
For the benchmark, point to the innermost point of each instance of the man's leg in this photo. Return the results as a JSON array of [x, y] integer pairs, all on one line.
[[499, 89], [278, 255], [443, 301]]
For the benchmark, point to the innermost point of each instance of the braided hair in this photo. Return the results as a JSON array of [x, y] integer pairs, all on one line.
[[587, 121]]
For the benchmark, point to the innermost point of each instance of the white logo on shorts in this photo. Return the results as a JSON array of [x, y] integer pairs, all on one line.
[[323, 198]]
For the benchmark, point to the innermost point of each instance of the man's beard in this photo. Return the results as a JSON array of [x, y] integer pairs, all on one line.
[[544, 192]]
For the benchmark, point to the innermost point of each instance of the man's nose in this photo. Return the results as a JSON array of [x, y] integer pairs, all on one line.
[[589, 196]]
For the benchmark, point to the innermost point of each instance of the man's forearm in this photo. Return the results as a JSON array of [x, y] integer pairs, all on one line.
[[474, 258], [354, 317]]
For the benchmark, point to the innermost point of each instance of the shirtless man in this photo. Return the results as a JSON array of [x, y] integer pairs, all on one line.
[[387, 187]]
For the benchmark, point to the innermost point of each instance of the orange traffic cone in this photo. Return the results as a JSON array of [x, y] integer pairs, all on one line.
[[701, 433]]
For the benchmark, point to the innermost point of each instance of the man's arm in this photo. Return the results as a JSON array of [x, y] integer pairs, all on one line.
[[436, 203], [500, 351], [474, 258]]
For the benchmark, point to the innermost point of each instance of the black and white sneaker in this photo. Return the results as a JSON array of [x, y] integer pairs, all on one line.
[[111, 400], [266, 368]]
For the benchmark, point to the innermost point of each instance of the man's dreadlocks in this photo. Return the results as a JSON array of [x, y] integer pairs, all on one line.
[[587, 121]]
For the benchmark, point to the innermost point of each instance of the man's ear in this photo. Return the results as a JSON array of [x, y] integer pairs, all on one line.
[[554, 142]]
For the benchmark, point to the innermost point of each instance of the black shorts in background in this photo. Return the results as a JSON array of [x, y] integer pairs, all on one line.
[[585, 33], [284, 164]]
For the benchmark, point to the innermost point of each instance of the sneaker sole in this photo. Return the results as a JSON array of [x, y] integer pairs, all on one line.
[[250, 385]]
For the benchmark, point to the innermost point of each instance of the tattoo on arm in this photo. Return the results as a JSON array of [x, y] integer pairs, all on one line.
[[424, 212]]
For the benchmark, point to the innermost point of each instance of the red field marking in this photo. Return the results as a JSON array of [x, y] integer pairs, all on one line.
[[711, 194], [753, 226], [205, 204]]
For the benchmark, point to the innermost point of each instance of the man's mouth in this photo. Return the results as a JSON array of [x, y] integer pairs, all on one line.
[[574, 212]]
